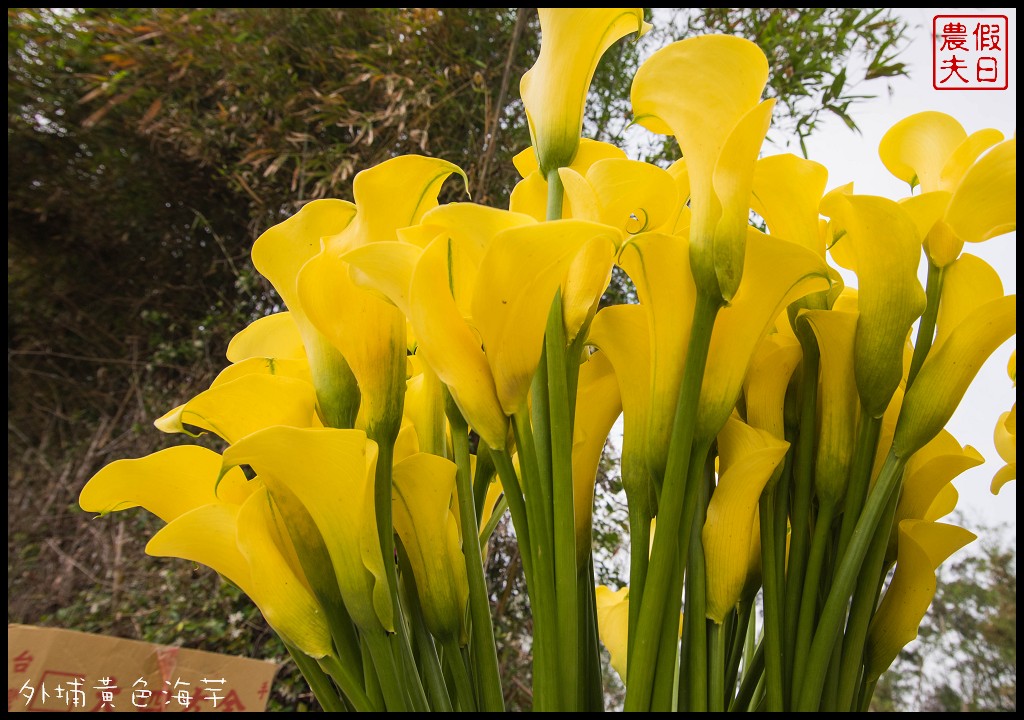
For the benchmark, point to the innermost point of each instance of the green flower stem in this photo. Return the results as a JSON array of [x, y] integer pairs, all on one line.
[[465, 697], [862, 609], [662, 592], [741, 631], [695, 662], [484, 475], [926, 328], [484, 655], [772, 578], [342, 676], [639, 554], [370, 681], [423, 644], [395, 697], [517, 509], [546, 690], [590, 697], [828, 698], [811, 586], [834, 611], [800, 509], [716, 669], [864, 703], [860, 476], [563, 512], [556, 194], [320, 683], [753, 674]]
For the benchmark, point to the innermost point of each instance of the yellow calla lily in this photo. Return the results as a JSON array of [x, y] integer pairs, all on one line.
[[278, 255], [916, 148], [922, 547], [273, 336], [598, 406], [530, 195], [242, 406], [705, 92], [1005, 439], [929, 470], [368, 331], [748, 457], [331, 472], [167, 483], [422, 491], [613, 624], [621, 333], [555, 89], [890, 298], [974, 319], [786, 192], [984, 204], [839, 407], [764, 388]]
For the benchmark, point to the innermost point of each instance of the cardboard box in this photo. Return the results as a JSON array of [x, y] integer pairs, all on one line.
[[53, 670]]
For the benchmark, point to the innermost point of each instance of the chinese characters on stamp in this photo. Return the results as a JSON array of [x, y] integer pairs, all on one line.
[[970, 52]]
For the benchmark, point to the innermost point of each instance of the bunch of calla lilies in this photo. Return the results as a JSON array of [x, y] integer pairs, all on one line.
[[783, 454]]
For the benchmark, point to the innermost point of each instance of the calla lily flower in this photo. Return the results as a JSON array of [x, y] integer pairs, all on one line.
[[764, 388], [967, 193], [598, 406], [705, 91], [779, 273], [367, 330], [555, 89], [974, 320], [747, 459], [929, 470], [423, 488], [478, 299], [787, 192], [273, 336], [228, 526], [1006, 437], [334, 481], [530, 195], [923, 546], [279, 255], [248, 396], [613, 624], [835, 332], [884, 242]]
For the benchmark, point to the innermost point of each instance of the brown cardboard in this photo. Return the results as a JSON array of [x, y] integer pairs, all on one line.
[[53, 670]]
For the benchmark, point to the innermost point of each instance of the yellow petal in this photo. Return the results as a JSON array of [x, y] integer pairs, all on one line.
[[916, 148], [764, 388], [787, 191], [283, 367], [598, 406], [969, 283], [332, 473], [369, 333], [984, 204], [1005, 439], [633, 196], [621, 333], [659, 266], [837, 243], [530, 197], [590, 151], [931, 469], [243, 406], [282, 595], [422, 491], [923, 546], [272, 336], [520, 273], [965, 154], [777, 272], [944, 503], [927, 211], [748, 459], [392, 195], [555, 89], [386, 268], [167, 483], [580, 200], [948, 372], [424, 408], [733, 178], [584, 286], [839, 408], [613, 624], [451, 348], [890, 297]]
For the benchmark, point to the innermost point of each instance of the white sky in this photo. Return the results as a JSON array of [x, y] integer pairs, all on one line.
[[855, 157]]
